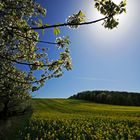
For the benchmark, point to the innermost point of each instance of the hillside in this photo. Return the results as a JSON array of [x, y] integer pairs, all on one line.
[[69, 107], [69, 119]]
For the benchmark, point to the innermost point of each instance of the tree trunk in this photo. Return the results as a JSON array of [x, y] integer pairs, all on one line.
[[4, 112]]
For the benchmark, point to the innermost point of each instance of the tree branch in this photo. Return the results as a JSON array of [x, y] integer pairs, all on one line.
[[39, 41], [60, 25], [22, 63], [67, 24], [47, 42]]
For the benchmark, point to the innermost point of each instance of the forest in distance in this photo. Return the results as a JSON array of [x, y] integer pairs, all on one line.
[[109, 97]]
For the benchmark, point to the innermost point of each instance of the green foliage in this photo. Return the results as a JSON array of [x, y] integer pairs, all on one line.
[[14, 96], [17, 46], [34, 88], [40, 23], [56, 31], [76, 19], [109, 97], [19, 43], [62, 41], [109, 9], [78, 120], [81, 129]]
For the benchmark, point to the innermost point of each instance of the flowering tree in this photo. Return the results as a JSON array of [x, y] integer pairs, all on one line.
[[19, 40]]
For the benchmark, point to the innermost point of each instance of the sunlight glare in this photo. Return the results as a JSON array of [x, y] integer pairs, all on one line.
[[116, 33], [117, 1]]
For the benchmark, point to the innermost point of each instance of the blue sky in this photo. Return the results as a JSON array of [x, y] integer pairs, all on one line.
[[102, 59]]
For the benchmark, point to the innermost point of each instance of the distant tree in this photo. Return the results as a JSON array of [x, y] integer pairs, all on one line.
[[109, 97]]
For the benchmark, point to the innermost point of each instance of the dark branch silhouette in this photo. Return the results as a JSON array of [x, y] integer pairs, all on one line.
[[61, 25], [67, 24], [22, 63]]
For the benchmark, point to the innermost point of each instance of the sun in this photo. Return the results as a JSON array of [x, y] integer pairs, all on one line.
[[94, 13], [116, 34]]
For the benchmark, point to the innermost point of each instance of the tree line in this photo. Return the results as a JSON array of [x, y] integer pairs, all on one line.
[[109, 97]]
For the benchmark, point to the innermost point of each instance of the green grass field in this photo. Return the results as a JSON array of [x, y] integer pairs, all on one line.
[[65, 119]]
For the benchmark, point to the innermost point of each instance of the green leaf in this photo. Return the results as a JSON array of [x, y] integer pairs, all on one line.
[[56, 31], [40, 21], [43, 31], [34, 88], [81, 14], [46, 24], [34, 23]]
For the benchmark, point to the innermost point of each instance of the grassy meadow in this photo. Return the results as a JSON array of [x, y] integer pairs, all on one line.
[[67, 119]]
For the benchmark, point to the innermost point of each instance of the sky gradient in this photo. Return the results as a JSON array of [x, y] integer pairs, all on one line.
[[102, 59]]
